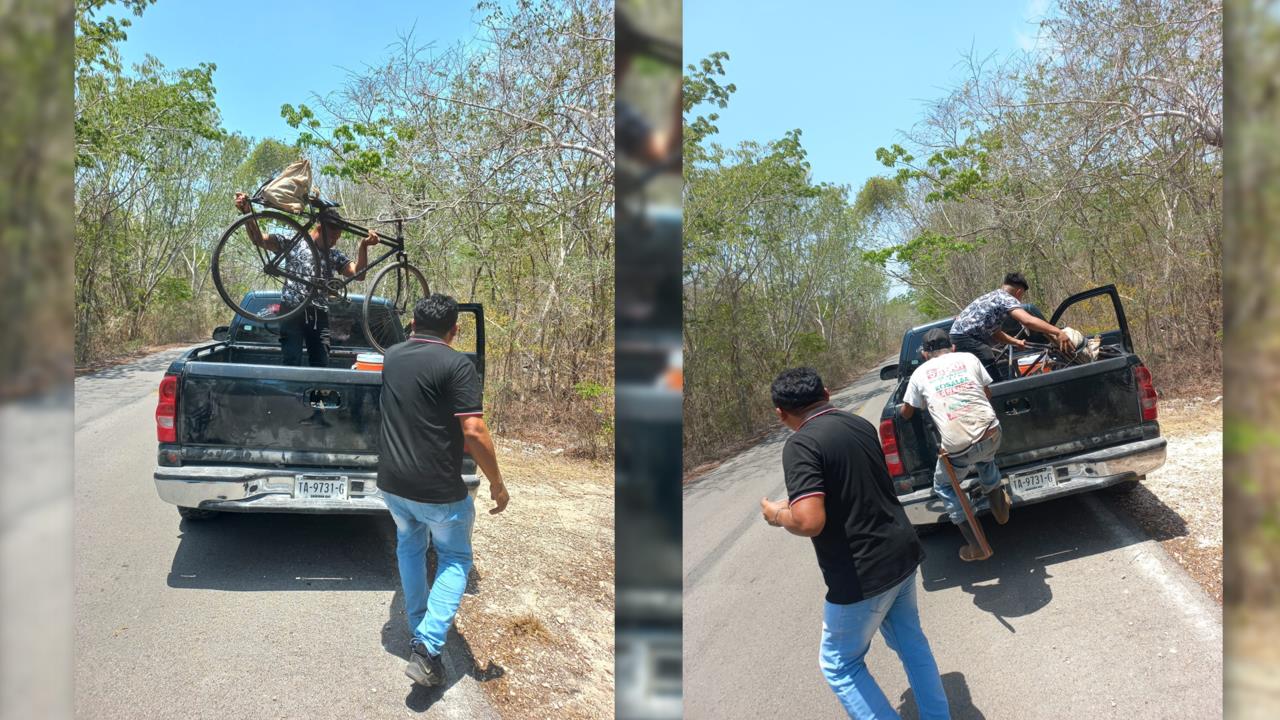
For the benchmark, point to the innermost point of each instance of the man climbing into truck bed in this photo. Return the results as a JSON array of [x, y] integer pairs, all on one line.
[[977, 327], [956, 390]]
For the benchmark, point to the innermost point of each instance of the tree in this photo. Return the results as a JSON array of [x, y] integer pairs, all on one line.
[[511, 143], [774, 274], [1096, 159]]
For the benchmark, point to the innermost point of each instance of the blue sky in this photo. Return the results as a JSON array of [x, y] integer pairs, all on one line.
[[284, 51], [850, 75]]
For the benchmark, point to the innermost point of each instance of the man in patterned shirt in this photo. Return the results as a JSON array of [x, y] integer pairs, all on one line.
[[311, 326], [977, 327]]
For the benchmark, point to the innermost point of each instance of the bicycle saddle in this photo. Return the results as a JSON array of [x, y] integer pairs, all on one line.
[[323, 203]]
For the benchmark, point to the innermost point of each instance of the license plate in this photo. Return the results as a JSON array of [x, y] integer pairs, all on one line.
[[319, 488], [1023, 484]]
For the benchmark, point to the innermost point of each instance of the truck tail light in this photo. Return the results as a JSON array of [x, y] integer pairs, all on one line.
[[1146, 392], [167, 410], [889, 443]]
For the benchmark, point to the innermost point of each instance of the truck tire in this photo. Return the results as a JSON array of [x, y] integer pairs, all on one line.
[[196, 513], [1126, 487]]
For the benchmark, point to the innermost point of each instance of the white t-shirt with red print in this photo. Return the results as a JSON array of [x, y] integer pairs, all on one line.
[[950, 387]]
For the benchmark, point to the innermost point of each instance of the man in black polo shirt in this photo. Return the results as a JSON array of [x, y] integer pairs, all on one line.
[[431, 412], [839, 494]]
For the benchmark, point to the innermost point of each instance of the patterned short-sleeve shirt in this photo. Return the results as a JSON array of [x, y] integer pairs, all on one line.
[[298, 262], [983, 316]]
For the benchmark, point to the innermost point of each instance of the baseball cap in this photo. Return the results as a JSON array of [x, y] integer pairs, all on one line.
[[935, 339]]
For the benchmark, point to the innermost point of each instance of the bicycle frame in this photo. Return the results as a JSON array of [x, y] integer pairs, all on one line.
[[396, 247]]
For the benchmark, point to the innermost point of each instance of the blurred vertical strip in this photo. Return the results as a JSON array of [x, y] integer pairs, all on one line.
[[36, 206], [648, 315], [1251, 439]]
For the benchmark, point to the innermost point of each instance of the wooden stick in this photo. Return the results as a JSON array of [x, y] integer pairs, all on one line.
[[963, 497]]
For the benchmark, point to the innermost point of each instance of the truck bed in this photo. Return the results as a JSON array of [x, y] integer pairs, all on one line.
[[1043, 417], [244, 433]]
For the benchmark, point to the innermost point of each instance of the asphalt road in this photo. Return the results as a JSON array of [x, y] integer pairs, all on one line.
[[1078, 614], [244, 616]]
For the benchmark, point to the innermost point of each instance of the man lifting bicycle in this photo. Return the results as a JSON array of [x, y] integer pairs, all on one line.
[[310, 327]]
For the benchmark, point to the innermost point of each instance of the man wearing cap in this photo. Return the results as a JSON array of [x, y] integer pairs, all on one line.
[[956, 390], [977, 327], [839, 494]]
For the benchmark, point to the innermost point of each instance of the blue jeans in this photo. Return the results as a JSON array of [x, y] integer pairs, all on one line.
[[980, 455], [448, 525], [846, 636]]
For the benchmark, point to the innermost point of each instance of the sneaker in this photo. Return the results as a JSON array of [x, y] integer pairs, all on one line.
[[424, 668]]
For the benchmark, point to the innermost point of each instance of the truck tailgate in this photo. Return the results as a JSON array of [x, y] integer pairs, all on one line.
[[1045, 416], [1068, 411], [294, 410]]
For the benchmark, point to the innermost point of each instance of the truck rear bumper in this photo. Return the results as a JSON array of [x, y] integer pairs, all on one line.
[[258, 489], [1072, 474]]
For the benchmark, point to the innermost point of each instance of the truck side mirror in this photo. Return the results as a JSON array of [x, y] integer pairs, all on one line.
[[221, 333], [889, 372]]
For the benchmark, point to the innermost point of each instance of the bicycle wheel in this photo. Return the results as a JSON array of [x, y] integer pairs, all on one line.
[[388, 304], [239, 266]]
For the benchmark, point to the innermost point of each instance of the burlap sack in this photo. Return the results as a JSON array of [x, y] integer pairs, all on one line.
[[290, 189]]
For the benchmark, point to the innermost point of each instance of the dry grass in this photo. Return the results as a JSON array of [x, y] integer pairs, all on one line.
[[529, 626], [580, 427], [544, 611]]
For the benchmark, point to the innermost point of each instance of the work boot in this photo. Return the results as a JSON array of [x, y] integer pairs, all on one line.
[[999, 501], [424, 668], [971, 551]]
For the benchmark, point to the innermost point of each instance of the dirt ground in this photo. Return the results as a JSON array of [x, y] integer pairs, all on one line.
[[541, 626], [1180, 505]]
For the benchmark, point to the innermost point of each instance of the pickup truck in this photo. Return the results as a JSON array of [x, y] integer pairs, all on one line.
[[1067, 431], [240, 432]]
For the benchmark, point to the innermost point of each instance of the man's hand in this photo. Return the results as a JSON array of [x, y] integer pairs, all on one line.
[[498, 493], [370, 240], [1064, 343], [771, 509], [242, 203]]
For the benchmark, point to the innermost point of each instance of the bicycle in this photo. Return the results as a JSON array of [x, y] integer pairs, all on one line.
[[240, 265]]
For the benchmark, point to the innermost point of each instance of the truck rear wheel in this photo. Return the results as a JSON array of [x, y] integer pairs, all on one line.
[[196, 513]]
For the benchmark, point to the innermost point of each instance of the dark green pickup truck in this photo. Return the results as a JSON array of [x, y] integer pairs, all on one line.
[[240, 432], [1067, 431]]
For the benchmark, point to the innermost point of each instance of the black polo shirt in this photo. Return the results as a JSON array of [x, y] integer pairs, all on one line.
[[867, 545], [426, 387]]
